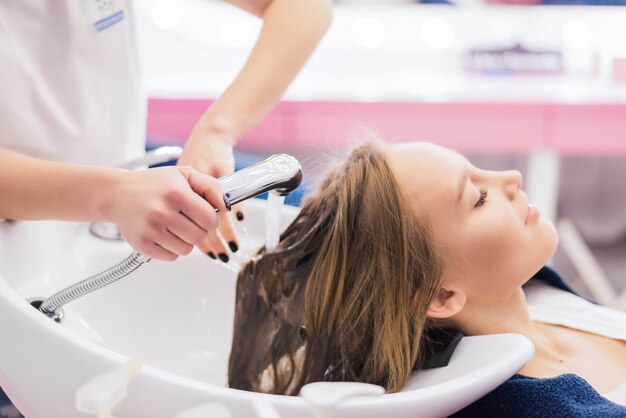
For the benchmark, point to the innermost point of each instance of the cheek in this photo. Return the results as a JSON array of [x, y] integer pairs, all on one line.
[[475, 250], [489, 245], [496, 248], [506, 249]]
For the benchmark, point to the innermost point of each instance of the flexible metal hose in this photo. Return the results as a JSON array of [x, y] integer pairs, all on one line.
[[280, 173], [95, 282]]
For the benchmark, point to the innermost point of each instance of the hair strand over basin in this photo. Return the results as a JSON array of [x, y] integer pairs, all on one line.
[[335, 300]]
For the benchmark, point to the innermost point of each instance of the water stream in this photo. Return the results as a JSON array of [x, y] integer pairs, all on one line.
[[272, 220]]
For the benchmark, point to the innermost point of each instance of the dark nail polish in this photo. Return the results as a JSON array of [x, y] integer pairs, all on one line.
[[210, 254], [240, 216], [223, 257], [233, 246]]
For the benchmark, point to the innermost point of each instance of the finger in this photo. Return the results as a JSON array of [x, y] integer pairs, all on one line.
[[186, 229], [225, 227], [154, 250], [214, 247], [210, 190], [199, 212], [239, 211], [172, 243]]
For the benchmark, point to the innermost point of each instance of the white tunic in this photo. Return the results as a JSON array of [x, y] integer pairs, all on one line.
[[551, 305], [70, 81]]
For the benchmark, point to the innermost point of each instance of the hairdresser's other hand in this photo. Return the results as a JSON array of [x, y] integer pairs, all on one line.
[[211, 151], [163, 212]]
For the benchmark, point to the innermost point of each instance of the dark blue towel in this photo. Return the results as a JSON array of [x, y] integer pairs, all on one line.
[[567, 395], [7, 410]]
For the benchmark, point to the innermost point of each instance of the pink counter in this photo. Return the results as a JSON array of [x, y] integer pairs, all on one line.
[[469, 127]]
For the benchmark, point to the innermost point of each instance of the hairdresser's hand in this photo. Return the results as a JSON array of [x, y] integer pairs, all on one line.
[[164, 212], [211, 152]]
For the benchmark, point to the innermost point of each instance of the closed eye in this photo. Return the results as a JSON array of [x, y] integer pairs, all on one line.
[[482, 199]]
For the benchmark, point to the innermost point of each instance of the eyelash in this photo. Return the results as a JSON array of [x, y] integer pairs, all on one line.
[[482, 199]]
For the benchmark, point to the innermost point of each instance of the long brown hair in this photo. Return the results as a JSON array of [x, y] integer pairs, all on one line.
[[335, 300]]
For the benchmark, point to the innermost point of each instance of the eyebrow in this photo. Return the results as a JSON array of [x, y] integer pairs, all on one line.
[[462, 184]]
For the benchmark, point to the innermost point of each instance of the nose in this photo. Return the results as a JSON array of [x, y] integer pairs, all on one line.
[[512, 183]]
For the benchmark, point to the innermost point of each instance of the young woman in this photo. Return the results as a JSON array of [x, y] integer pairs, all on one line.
[[400, 245]]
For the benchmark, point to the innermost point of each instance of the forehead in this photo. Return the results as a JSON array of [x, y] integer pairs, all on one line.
[[428, 173]]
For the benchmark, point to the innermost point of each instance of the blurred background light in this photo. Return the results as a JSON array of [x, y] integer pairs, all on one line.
[[168, 14], [437, 33], [577, 34], [368, 32]]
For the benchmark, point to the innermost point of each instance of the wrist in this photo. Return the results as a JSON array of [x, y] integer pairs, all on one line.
[[216, 129], [110, 185]]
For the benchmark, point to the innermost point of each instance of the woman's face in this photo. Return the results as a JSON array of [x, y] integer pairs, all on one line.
[[490, 239]]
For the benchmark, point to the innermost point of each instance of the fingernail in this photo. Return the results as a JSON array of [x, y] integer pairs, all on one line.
[[223, 257], [212, 255], [227, 201], [233, 246], [240, 216]]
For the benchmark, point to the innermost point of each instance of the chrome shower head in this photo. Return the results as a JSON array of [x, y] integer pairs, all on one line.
[[279, 173]]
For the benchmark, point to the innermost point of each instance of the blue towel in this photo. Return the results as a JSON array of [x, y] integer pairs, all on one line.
[[567, 395], [7, 410]]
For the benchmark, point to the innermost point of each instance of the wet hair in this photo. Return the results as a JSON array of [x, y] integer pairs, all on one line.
[[335, 300]]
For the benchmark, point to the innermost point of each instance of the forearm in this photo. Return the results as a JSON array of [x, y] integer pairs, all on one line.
[[290, 33], [37, 189]]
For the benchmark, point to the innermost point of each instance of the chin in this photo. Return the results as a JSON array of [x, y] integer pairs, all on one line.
[[549, 238]]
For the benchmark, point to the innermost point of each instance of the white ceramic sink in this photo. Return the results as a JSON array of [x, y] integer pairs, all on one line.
[[176, 319]]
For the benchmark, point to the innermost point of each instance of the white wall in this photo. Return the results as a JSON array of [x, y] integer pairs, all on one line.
[[393, 52]]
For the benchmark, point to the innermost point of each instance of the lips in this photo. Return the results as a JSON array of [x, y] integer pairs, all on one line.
[[532, 215]]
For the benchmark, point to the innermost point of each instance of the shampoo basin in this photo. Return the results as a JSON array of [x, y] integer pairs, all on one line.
[[176, 320]]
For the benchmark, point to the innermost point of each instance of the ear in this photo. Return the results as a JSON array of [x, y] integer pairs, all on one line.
[[446, 303]]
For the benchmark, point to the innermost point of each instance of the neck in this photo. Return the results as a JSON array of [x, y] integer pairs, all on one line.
[[508, 315]]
